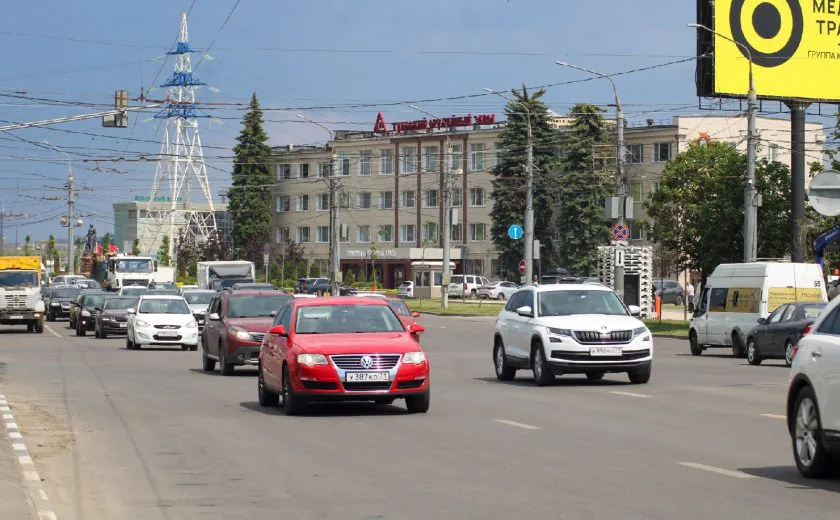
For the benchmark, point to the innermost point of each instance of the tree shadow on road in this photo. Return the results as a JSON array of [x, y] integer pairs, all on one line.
[[789, 475], [328, 410], [238, 372], [566, 380]]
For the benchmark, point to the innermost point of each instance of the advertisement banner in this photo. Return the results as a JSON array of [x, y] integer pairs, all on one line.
[[781, 295]]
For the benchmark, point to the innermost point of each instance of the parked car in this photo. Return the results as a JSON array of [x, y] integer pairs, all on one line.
[[813, 402], [670, 291], [466, 285], [236, 325], [58, 301], [82, 314], [403, 312], [318, 286], [775, 336], [342, 349], [162, 320], [300, 286], [111, 316], [406, 290], [497, 290], [199, 301], [571, 329], [133, 290]]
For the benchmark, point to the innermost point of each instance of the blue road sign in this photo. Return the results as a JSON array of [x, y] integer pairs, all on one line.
[[515, 232], [620, 232]]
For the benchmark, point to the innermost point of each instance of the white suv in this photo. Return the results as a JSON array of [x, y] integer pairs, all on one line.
[[571, 329], [463, 286], [813, 403]]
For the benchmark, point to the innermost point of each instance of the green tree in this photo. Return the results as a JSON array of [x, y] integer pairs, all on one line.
[[107, 239], [27, 245], [509, 181], [135, 247], [249, 197], [585, 181], [163, 252], [51, 253]]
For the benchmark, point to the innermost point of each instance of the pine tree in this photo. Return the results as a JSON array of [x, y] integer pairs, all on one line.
[[27, 245], [135, 247], [106, 242], [509, 184], [249, 197], [163, 252], [585, 181]]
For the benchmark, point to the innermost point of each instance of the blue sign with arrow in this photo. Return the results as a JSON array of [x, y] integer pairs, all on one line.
[[515, 232]]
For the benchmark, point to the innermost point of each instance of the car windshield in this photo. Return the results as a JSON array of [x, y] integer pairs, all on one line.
[[346, 319], [813, 310], [173, 292], [94, 300], [199, 298], [255, 306], [135, 266], [64, 293], [399, 307], [120, 303], [565, 303], [19, 279], [164, 306], [134, 291]]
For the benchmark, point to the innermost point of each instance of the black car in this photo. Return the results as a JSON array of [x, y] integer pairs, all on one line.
[[85, 311], [58, 300], [112, 316], [775, 336]]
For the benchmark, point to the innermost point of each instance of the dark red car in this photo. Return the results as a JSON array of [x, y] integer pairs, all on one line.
[[342, 349], [237, 321]]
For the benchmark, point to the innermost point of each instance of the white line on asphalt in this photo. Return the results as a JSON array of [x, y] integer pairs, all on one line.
[[4, 409], [54, 333], [631, 394], [25, 459], [713, 469], [11, 426], [8, 417], [15, 435], [517, 424], [773, 416], [442, 327]]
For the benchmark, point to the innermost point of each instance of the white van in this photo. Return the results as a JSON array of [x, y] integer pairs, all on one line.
[[737, 295]]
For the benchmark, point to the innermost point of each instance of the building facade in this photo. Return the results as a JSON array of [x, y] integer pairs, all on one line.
[[391, 184]]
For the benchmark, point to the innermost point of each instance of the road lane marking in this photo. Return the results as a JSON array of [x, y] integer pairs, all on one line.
[[54, 333], [517, 424], [631, 394], [773, 416], [713, 469], [11, 426], [15, 435], [24, 460]]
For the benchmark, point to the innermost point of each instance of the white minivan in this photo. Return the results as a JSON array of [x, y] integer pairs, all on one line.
[[737, 295]]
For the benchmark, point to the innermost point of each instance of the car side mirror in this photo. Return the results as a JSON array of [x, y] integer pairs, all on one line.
[[213, 317], [416, 328], [130, 311], [762, 321], [525, 311], [279, 330], [272, 313], [415, 314], [635, 310]]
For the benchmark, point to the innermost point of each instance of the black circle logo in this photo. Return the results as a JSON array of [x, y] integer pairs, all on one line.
[[767, 22]]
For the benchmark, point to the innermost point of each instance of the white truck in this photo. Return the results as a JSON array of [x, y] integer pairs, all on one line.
[[128, 270], [221, 274], [20, 292], [164, 274]]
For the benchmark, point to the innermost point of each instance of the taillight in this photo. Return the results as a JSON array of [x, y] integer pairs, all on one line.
[[807, 330], [793, 352]]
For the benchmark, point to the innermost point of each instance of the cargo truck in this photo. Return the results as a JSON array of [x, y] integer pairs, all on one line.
[[128, 270], [20, 292], [221, 274]]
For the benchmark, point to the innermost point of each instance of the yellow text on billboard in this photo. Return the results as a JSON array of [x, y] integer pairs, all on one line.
[[777, 296]]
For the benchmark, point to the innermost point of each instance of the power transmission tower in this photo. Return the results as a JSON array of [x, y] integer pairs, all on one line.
[[181, 158]]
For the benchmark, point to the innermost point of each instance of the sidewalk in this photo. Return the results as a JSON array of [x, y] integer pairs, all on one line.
[[14, 498]]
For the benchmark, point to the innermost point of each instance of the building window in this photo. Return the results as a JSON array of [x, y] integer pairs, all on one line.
[[456, 233], [477, 155], [284, 172], [407, 199], [497, 154], [635, 154], [365, 160], [323, 234], [457, 197], [282, 235], [283, 204], [363, 200], [637, 191], [344, 163], [636, 232], [132, 214], [363, 236], [408, 159], [385, 233], [457, 157], [408, 233], [303, 235], [773, 152], [430, 198], [303, 170], [430, 232], [474, 266], [431, 159], [477, 232], [344, 200], [386, 162], [476, 197], [303, 203], [661, 152], [386, 200], [323, 202], [324, 169]]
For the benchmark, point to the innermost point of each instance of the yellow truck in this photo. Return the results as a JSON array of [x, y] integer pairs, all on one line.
[[20, 292]]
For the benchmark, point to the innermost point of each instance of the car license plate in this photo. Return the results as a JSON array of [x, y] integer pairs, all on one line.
[[167, 333], [605, 351], [16, 317], [123, 325], [368, 377]]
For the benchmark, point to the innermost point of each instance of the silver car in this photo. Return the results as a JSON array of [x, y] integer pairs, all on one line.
[[497, 290]]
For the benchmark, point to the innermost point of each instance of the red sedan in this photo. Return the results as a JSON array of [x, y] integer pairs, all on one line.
[[342, 349]]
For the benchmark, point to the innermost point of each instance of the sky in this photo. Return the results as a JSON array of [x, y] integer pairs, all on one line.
[[319, 58]]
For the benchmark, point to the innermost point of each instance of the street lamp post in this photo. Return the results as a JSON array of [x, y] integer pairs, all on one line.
[[750, 195], [528, 231], [71, 204], [620, 180]]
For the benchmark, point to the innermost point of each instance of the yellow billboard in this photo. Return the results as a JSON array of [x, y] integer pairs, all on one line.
[[777, 296], [743, 299], [793, 45]]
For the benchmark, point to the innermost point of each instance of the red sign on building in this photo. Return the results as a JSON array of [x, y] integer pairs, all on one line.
[[425, 124]]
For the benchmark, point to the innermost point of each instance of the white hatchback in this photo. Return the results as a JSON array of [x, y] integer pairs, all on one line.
[[571, 329], [161, 320]]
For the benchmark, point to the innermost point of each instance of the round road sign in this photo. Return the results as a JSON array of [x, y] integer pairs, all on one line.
[[620, 232], [824, 193], [522, 266]]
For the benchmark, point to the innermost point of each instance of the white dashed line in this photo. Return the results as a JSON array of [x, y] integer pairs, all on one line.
[[517, 424], [54, 333], [30, 474], [773, 416], [631, 394], [713, 469]]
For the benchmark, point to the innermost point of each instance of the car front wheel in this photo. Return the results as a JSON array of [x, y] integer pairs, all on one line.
[[418, 403], [292, 404], [542, 374], [788, 353], [696, 349], [812, 460], [640, 376]]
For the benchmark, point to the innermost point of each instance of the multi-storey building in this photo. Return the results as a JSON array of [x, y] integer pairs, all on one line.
[[392, 181]]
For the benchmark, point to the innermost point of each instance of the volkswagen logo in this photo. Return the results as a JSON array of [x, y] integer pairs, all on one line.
[[366, 361]]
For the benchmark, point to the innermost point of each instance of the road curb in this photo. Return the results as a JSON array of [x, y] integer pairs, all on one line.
[[34, 484]]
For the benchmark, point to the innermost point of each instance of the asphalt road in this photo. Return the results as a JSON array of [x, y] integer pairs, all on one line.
[[123, 434]]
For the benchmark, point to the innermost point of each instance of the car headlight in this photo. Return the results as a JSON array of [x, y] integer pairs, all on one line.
[[414, 358], [312, 359], [141, 323], [191, 325], [55, 304], [640, 331], [559, 332], [86, 313], [239, 333]]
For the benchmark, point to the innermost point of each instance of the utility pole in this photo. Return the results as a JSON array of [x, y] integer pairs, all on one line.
[[620, 179], [71, 206]]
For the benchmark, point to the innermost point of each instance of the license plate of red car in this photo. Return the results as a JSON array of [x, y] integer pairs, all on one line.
[[367, 377]]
